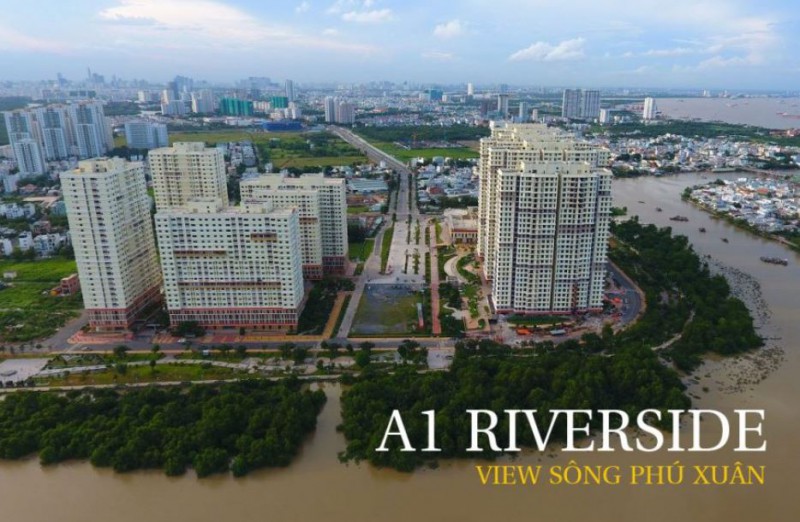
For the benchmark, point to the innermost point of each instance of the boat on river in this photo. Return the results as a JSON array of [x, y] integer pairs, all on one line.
[[682, 219], [724, 239], [702, 229], [775, 260]]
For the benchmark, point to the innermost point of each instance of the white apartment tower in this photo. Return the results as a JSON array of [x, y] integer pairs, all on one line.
[[322, 206], [231, 266], [543, 220], [580, 104], [345, 113], [502, 105], [187, 170], [56, 132], [524, 112], [649, 111], [77, 129], [112, 234], [146, 135], [289, 90], [571, 104], [203, 102], [92, 132], [590, 104], [28, 154], [330, 109], [20, 124]]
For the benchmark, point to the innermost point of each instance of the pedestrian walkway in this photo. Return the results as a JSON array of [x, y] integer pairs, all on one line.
[[100, 338], [436, 326]]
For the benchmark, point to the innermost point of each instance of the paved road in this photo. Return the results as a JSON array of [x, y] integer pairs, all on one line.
[[372, 268], [633, 300], [61, 337]]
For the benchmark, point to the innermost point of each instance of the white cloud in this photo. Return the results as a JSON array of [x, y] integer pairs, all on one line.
[[303, 7], [438, 56], [341, 6], [449, 29], [676, 51], [13, 40], [330, 31], [368, 17], [546, 52], [193, 24]]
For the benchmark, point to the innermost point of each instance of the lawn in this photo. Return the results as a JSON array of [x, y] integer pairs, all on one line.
[[134, 374], [404, 154], [386, 246], [285, 149], [28, 311], [361, 249], [217, 136], [357, 209], [41, 270]]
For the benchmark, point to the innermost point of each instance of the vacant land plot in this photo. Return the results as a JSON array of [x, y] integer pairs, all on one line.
[[404, 154], [27, 310], [387, 310], [285, 149]]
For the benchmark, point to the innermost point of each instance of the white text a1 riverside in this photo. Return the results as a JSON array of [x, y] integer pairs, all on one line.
[[614, 424]]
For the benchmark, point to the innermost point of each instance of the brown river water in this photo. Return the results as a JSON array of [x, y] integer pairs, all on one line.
[[317, 487]]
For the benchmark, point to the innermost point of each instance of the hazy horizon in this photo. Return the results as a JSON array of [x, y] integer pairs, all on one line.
[[704, 44]]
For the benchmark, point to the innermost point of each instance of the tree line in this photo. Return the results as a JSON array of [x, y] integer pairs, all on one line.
[[238, 426], [682, 296], [489, 375]]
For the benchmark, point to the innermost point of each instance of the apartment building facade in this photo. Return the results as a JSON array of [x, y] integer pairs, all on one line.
[[543, 220], [185, 171], [322, 203], [109, 220], [231, 266]]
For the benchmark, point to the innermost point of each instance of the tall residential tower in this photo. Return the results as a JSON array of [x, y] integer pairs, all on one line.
[[112, 234], [231, 267], [543, 220], [322, 206], [187, 170]]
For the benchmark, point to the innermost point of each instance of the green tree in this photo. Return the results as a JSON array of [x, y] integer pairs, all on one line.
[[121, 351], [286, 350]]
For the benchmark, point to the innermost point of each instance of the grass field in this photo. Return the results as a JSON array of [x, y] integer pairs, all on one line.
[[361, 249], [285, 149], [27, 310], [42, 270], [407, 154], [357, 209], [386, 246], [134, 374]]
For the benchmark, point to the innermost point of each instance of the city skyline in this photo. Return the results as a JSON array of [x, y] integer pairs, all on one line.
[[705, 44]]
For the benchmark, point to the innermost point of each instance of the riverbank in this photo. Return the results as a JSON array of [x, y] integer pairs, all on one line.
[[740, 223]]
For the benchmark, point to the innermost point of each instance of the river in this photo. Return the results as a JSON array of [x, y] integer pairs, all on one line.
[[762, 112], [317, 487]]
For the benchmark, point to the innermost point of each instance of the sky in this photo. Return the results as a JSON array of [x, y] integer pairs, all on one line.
[[714, 44]]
